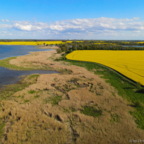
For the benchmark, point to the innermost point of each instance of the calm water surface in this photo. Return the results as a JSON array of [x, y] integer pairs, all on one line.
[[12, 76], [133, 46], [11, 51]]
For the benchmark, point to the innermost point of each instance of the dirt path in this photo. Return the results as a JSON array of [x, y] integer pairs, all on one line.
[[51, 110]]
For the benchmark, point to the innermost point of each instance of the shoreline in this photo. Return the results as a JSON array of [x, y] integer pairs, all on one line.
[[5, 61], [74, 106]]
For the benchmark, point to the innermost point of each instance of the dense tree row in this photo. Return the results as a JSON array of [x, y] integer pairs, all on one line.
[[92, 45]]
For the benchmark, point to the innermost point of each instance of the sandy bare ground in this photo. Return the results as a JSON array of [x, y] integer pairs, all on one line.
[[33, 118]]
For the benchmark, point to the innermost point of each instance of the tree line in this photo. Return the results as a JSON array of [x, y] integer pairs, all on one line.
[[92, 45]]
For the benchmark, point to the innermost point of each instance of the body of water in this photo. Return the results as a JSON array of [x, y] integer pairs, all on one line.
[[16, 50], [138, 46], [8, 76]]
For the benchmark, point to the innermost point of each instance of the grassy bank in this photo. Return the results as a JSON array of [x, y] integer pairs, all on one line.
[[129, 90], [5, 63], [7, 92]]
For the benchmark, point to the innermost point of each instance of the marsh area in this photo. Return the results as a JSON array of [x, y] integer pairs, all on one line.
[[8, 76]]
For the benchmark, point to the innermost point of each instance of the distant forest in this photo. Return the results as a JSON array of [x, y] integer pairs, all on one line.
[[101, 45]]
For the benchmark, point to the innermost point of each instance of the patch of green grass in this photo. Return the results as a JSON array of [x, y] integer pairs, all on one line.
[[2, 125], [66, 110], [54, 100], [73, 109], [91, 111], [8, 91], [26, 101], [69, 110], [5, 63], [36, 96], [115, 118], [33, 76], [126, 88], [138, 114], [31, 91]]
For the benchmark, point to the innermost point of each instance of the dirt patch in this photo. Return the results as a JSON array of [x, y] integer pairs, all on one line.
[[51, 110]]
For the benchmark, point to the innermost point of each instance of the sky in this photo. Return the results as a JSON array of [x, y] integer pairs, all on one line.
[[72, 19]]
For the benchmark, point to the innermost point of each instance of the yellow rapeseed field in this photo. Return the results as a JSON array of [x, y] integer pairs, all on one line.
[[129, 63], [31, 42], [140, 42]]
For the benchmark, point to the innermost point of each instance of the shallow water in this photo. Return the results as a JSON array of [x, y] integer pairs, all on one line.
[[16, 50], [133, 46], [12, 76]]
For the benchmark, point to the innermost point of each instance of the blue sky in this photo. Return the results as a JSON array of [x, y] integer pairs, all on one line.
[[72, 19]]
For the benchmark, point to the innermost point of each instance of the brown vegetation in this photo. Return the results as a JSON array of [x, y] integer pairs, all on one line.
[[51, 110]]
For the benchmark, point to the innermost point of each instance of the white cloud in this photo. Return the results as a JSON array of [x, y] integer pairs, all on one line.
[[77, 28], [84, 24], [28, 26], [94, 25]]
